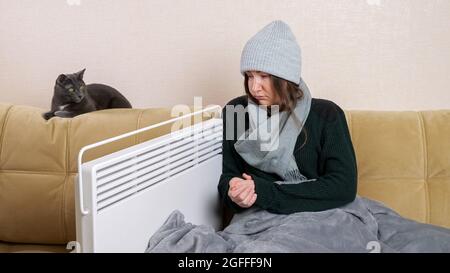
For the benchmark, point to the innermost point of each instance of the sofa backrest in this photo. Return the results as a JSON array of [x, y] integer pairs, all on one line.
[[403, 161]]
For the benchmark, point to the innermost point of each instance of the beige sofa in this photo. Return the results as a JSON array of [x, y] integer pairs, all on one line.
[[403, 161]]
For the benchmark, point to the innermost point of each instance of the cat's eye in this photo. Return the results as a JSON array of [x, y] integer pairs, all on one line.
[[70, 89]]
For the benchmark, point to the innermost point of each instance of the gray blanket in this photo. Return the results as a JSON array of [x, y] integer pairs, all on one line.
[[361, 226]]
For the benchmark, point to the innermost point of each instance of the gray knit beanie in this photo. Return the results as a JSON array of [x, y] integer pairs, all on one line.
[[273, 50]]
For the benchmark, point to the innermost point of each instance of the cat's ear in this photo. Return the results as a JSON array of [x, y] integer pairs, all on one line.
[[80, 74], [61, 78]]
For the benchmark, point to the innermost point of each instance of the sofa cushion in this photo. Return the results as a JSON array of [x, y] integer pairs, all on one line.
[[437, 139], [404, 161]]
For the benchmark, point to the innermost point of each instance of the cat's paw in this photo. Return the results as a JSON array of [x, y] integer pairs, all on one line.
[[48, 115]]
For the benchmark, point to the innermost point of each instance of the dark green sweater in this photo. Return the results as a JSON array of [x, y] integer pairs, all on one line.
[[327, 156]]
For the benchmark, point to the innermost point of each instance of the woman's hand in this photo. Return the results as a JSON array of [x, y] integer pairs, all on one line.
[[242, 191]]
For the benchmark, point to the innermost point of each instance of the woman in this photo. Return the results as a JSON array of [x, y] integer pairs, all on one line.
[[304, 163], [312, 167]]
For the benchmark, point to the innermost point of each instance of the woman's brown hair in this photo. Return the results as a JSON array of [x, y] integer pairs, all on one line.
[[288, 93]]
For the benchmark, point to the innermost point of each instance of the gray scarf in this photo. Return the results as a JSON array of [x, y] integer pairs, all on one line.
[[269, 143]]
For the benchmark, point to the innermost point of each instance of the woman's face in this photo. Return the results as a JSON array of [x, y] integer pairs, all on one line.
[[261, 87]]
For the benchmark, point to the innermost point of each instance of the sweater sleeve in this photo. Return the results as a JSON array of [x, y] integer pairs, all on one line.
[[230, 168], [336, 187]]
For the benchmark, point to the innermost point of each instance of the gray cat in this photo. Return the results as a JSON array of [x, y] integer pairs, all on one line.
[[73, 97]]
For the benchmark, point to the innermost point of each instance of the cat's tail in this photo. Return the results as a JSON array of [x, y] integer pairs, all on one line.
[[120, 103]]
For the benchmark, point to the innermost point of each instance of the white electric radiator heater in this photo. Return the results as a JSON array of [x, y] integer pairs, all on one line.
[[124, 197]]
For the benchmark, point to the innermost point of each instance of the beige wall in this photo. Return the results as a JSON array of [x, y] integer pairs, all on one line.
[[362, 54]]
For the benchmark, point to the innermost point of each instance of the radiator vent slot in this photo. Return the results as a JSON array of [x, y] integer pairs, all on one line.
[[141, 166]]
